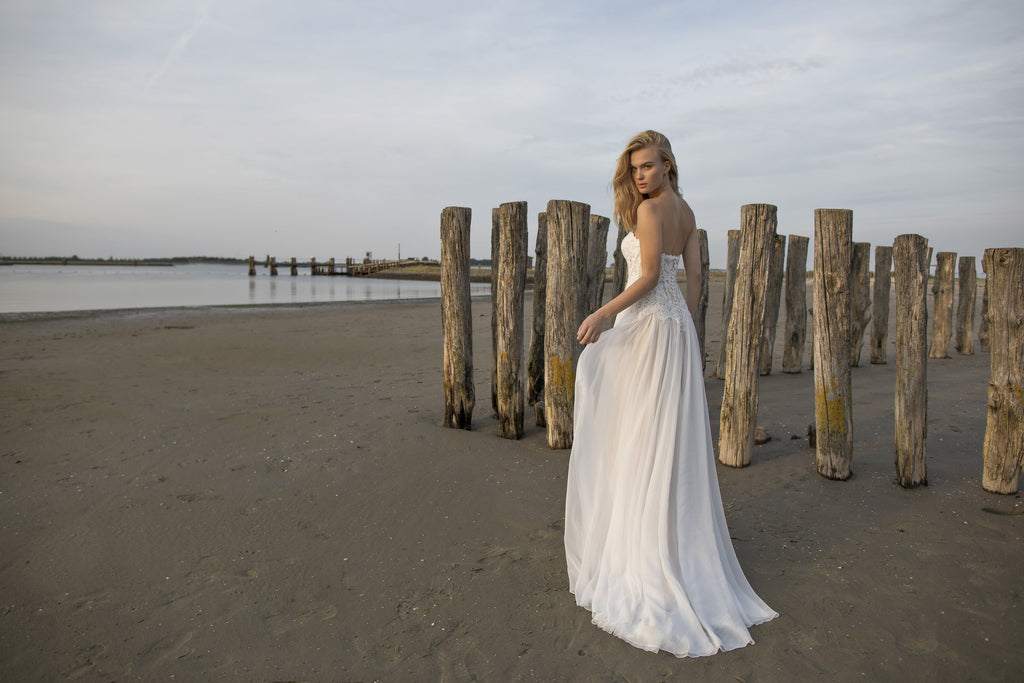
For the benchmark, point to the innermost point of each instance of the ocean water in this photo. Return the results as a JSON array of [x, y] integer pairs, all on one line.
[[30, 289]]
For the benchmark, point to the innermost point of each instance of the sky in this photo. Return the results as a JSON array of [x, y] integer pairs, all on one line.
[[331, 128]]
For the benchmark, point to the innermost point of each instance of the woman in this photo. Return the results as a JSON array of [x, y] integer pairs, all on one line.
[[646, 542]]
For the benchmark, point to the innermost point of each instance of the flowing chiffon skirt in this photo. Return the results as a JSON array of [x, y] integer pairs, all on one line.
[[646, 542]]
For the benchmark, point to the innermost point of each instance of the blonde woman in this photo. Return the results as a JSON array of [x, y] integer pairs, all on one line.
[[646, 542]]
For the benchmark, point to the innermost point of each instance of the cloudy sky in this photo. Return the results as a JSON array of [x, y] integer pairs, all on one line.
[[326, 128]]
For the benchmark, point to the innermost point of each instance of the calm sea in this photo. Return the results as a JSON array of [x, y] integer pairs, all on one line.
[[28, 289]]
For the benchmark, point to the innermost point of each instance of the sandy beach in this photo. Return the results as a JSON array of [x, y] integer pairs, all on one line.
[[266, 494]]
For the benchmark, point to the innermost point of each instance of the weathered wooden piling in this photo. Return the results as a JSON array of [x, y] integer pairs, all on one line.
[[252, 266], [495, 256], [909, 253], [833, 407], [942, 289], [294, 267], [457, 318], [619, 278], [568, 228], [273, 266], [968, 289], [312, 265], [700, 316], [743, 350], [983, 326], [880, 305], [774, 295], [535, 364], [796, 304], [860, 298], [1004, 431], [597, 245], [512, 256], [732, 256]]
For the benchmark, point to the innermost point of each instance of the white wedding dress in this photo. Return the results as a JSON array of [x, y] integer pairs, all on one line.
[[646, 542]]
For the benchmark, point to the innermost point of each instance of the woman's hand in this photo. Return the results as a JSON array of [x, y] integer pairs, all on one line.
[[591, 328]]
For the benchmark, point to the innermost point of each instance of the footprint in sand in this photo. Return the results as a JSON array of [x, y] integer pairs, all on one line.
[[279, 624]]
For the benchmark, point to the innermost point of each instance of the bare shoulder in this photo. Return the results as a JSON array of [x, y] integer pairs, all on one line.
[[688, 218]]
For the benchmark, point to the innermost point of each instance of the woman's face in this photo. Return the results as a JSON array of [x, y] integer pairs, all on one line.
[[649, 172]]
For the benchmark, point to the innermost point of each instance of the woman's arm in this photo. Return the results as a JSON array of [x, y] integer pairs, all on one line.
[[692, 266], [648, 232]]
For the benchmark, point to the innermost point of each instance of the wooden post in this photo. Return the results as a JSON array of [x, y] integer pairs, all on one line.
[[968, 278], [911, 408], [456, 318], [273, 265], [700, 316], [880, 305], [771, 310], [1004, 432], [860, 298], [796, 304], [568, 228], [294, 267], [597, 245], [535, 364], [511, 288], [495, 257], [732, 257], [252, 266], [833, 408], [983, 327], [619, 279], [312, 265], [942, 328], [743, 350]]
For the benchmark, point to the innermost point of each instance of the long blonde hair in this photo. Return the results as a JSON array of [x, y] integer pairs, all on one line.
[[627, 197]]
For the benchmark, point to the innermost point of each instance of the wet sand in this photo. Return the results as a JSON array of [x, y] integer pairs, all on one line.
[[267, 494]]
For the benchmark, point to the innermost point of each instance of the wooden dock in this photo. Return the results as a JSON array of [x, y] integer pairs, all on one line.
[[351, 267]]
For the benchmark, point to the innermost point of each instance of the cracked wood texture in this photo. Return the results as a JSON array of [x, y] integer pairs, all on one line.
[[880, 305], [743, 350], [535, 364], [512, 239], [700, 316], [942, 326], [911, 405], [967, 278], [732, 255], [796, 304], [771, 309], [456, 318], [1004, 431], [860, 298], [597, 246], [833, 409], [566, 301]]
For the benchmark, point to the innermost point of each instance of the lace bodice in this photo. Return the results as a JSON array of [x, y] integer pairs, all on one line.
[[666, 299]]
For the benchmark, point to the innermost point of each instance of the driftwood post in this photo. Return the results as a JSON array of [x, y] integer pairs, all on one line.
[[860, 298], [1004, 432], [456, 318], [880, 305], [833, 408], [733, 255], [619, 278], [911, 405], [942, 328], [495, 257], [739, 400], [535, 364], [312, 265], [252, 266], [796, 304], [273, 265], [968, 279], [700, 316], [597, 245], [512, 236], [774, 295], [294, 267], [568, 228], [983, 327]]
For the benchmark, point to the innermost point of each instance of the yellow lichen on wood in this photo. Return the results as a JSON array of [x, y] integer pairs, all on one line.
[[562, 380]]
